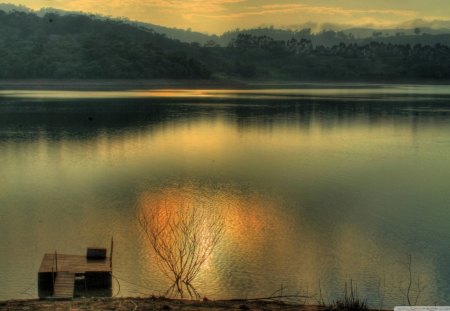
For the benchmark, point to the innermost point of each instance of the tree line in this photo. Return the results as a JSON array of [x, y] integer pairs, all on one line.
[[300, 59], [81, 46]]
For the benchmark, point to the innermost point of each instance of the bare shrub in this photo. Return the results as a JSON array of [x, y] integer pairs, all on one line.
[[414, 288], [182, 237]]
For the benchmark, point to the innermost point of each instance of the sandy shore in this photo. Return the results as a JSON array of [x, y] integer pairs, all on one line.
[[148, 304]]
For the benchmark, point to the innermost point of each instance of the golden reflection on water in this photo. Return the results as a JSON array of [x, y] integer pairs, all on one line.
[[248, 217], [249, 221], [307, 90], [265, 245]]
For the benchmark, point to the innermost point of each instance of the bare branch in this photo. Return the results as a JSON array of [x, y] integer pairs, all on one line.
[[182, 238]]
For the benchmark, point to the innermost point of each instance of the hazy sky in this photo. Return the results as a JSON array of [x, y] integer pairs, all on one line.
[[217, 16]]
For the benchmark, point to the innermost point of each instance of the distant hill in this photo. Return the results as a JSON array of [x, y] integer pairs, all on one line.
[[80, 46], [8, 7], [326, 37], [179, 34], [173, 33]]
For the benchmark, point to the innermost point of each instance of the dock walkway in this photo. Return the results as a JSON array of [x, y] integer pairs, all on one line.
[[64, 285], [58, 274]]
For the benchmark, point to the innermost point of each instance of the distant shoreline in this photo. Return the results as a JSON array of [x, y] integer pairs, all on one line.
[[128, 85], [115, 85]]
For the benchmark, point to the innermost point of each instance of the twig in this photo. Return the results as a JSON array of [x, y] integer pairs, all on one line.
[[279, 297], [135, 305]]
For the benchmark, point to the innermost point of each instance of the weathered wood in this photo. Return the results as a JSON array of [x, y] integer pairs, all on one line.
[[74, 263], [64, 285], [61, 284]]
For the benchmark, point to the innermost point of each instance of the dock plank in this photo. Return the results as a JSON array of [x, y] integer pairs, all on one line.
[[57, 275], [74, 263], [64, 285]]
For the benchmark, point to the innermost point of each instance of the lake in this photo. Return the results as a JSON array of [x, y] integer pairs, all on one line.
[[317, 184]]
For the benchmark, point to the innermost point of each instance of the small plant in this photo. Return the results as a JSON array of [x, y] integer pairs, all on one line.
[[350, 301], [413, 288]]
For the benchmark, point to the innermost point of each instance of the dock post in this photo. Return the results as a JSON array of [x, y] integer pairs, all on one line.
[[56, 261], [111, 252]]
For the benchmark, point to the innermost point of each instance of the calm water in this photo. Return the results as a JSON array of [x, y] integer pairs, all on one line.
[[316, 183]]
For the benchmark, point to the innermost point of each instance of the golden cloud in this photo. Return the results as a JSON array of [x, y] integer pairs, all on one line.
[[223, 15], [271, 9]]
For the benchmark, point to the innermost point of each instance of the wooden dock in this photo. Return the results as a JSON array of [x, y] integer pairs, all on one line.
[[73, 263], [64, 285], [60, 275]]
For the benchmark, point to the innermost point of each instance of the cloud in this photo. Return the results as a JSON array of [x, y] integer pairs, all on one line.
[[330, 10], [193, 6], [282, 14], [221, 15], [303, 9], [443, 24], [433, 23]]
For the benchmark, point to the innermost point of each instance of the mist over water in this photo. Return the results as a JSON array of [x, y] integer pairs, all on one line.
[[315, 186]]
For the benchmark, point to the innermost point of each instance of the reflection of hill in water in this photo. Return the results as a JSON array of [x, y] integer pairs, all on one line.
[[84, 119]]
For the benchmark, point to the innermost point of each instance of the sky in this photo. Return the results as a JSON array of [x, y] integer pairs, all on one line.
[[218, 16]]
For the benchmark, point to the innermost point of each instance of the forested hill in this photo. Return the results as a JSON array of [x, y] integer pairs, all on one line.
[[81, 46], [328, 37]]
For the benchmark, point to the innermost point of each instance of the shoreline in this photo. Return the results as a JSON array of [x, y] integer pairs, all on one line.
[[152, 303], [129, 85], [116, 85]]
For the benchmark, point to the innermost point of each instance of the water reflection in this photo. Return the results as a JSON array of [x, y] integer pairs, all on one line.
[[316, 91], [25, 120], [269, 242], [182, 234], [309, 190], [252, 224]]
